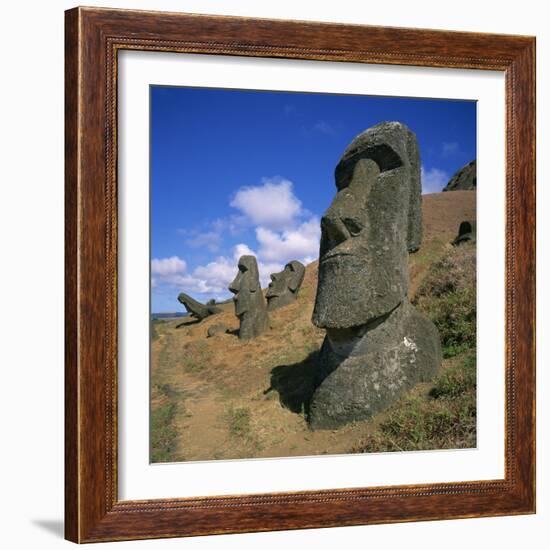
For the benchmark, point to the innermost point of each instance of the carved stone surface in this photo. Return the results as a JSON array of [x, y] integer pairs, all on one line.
[[465, 179], [250, 306], [285, 285], [377, 345], [466, 232], [196, 309]]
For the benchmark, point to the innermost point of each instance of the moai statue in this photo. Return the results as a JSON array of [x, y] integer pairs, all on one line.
[[466, 233], [284, 286], [196, 309], [249, 300], [377, 345]]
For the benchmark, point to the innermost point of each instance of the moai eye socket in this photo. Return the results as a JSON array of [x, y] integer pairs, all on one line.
[[242, 268], [353, 226]]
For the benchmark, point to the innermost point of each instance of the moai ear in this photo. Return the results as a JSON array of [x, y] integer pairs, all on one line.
[[414, 225], [294, 282], [298, 272]]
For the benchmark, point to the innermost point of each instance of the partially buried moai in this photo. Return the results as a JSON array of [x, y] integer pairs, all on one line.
[[250, 306], [196, 309], [284, 286], [466, 233], [377, 345]]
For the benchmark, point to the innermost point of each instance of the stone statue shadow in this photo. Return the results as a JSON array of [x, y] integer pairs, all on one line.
[[188, 323], [295, 383]]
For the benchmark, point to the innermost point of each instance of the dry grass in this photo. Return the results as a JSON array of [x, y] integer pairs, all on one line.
[[228, 399], [442, 418], [448, 297]]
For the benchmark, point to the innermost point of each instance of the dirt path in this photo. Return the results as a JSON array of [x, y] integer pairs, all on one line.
[[242, 407], [236, 399]]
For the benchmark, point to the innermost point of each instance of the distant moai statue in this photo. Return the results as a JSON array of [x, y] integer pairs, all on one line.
[[377, 345], [466, 232], [250, 306], [196, 309], [284, 286]]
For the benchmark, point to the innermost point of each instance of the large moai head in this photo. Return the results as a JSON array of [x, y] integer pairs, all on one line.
[[284, 286], [246, 285], [250, 306], [368, 230]]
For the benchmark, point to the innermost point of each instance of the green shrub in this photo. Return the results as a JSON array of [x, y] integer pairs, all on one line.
[[163, 432], [444, 419], [154, 331], [197, 356], [448, 297], [239, 422], [458, 381]]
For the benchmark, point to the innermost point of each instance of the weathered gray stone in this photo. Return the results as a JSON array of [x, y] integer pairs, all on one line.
[[285, 285], [218, 328], [377, 345], [250, 306], [196, 309], [368, 228], [464, 179], [466, 232]]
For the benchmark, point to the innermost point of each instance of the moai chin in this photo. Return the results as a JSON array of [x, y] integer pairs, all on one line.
[[377, 345], [285, 285], [250, 306]]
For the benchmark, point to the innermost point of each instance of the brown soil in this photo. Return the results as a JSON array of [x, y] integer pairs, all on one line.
[[238, 399]]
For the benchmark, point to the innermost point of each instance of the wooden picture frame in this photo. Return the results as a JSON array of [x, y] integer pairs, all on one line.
[[93, 511]]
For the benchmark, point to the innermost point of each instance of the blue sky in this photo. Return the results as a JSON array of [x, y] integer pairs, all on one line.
[[235, 171]]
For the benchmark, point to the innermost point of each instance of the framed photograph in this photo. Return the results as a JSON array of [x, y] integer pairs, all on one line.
[[289, 304]]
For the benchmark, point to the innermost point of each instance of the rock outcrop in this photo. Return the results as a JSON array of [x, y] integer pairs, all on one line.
[[285, 285], [377, 345], [218, 328], [250, 306], [464, 179]]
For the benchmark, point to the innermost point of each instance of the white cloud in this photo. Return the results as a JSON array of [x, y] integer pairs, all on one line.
[[284, 232], [272, 204], [212, 236], [301, 243], [324, 127], [265, 269], [433, 180], [213, 277], [168, 266], [450, 149], [242, 250], [209, 239]]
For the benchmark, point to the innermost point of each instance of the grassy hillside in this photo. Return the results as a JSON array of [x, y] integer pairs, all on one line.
[[221, 398]]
